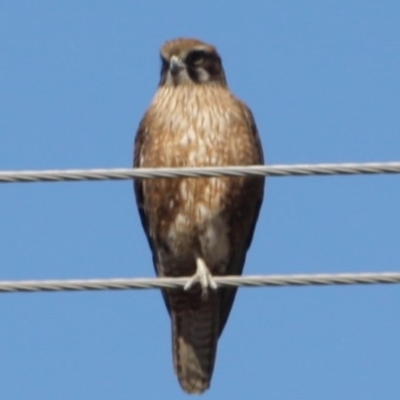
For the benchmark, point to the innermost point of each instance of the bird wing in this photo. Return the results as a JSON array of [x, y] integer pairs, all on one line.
[[138, 183], [235, 267], [243, 221], [138, 188]]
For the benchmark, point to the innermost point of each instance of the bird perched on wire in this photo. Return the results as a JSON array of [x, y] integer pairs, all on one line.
[[197, 227]]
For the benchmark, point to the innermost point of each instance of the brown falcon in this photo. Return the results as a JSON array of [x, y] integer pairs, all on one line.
[[197, 227]]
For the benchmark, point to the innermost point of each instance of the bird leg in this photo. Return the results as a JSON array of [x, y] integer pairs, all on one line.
[[202, 276]]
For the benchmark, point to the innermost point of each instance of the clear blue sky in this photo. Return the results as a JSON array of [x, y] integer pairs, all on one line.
[[323, 80]]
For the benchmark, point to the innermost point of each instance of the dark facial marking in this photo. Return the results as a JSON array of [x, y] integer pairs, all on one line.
[[210, 62], [164, 70], [196, 57]]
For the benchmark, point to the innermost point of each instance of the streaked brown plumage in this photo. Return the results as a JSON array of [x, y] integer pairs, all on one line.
[[197, 226]]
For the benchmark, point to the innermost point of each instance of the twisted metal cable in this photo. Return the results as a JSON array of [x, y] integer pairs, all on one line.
[[196, 172], [178, 283]]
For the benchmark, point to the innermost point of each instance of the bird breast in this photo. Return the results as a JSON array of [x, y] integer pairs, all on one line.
[[197, 125]]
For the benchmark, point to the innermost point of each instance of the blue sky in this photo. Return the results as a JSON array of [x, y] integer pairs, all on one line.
[[322, 78]]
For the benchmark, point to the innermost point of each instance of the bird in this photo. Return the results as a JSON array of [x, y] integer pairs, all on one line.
[[197, 227]]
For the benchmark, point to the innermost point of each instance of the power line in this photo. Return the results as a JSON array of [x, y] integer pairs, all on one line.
[[178, 283], [195, 172]]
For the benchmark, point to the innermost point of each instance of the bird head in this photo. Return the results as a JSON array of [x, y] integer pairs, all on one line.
[[190, 61]]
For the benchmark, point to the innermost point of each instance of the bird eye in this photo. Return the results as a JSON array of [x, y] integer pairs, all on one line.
[[196, 57]]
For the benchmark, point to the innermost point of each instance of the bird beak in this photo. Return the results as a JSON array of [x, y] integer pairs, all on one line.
[[176, 65]]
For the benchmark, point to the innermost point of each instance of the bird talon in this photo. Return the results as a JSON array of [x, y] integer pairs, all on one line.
[[202, 276]]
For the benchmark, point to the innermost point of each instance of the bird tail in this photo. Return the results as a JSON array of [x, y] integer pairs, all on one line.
[[195, 327]]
